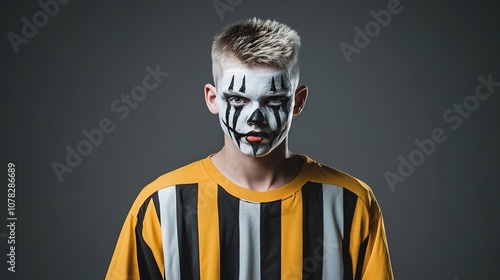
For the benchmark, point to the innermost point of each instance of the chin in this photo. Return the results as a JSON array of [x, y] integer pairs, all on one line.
[[262, 151]]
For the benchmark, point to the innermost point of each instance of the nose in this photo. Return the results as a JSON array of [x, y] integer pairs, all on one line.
[[257, 118]]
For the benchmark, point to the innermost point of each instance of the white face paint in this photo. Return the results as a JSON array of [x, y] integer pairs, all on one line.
[[255, 108]]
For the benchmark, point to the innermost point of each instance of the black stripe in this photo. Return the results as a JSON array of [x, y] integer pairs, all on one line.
[[283, 86], [230, 88], [361, 258], [187, 230], [236, 115], [243, 88], [312, 223], [270, 240], [229, 235], [157, 205], [273, 85], [350, 200], [228, 110], [286, 105], [148, 268], [278, 123]]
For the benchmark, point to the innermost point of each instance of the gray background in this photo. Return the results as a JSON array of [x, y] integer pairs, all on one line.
[[442, 222]]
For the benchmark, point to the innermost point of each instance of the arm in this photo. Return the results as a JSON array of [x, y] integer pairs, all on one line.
[[368, 244], [377, 264], [138, 253]]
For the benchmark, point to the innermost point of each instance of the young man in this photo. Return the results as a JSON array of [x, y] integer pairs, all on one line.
[[254, 210]]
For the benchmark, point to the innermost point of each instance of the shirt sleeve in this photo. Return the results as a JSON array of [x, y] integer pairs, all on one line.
[[138, 253], [369, 247], [377, 263]]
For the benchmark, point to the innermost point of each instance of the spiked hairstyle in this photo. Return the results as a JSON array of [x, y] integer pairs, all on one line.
[[257, 42]]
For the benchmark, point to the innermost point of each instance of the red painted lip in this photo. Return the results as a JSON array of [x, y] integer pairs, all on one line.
[[256, 136], [253, 138]]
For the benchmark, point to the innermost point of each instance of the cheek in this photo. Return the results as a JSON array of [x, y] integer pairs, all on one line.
[[277, 117], [242, 115], [223, 108], [286, 111], [221, 104]]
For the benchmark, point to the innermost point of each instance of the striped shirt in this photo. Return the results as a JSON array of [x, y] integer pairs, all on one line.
[[193, 223]]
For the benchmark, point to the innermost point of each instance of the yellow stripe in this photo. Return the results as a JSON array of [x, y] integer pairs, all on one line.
[[208, 228], [124, 261], [291, 237], [256, 196]]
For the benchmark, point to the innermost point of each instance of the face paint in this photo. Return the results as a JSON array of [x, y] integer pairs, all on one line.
[[256, 116]]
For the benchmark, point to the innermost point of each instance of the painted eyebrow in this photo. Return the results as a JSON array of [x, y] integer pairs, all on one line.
[[280, 91], [229, 93], [232, 92]]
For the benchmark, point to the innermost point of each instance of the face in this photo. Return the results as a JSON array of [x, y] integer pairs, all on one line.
[[255, 108]]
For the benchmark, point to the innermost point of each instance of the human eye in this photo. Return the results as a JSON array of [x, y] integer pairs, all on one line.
[[275, 101], [237, 101]]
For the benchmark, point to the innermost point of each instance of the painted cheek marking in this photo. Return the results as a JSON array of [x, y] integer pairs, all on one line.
[[229, 128], [284, 107], [237, 111], [236, 115], [278, 123], [228, 107]]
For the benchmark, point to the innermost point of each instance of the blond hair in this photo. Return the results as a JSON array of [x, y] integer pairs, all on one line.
[[257, 42]]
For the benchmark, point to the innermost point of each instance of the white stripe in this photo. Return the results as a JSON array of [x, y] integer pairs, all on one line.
[[333, 221], [249, 240], [168, 218]]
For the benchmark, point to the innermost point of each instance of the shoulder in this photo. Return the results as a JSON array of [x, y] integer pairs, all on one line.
[[188, 174], [327, 175]]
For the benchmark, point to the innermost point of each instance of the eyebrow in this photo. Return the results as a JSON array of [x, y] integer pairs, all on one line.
[[228, 93], [280, 91]]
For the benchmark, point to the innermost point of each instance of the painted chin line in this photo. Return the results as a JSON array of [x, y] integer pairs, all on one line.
[[261, 143]]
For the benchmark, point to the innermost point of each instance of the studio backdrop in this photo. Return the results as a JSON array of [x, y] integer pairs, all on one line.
[[99, 98]]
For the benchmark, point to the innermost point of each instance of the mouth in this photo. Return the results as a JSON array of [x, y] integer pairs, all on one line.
[[254, 136]]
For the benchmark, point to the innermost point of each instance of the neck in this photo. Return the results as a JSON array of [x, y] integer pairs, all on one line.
[[265, 173]]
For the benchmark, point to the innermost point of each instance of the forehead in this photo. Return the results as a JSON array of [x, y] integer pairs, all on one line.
[[257, 79]]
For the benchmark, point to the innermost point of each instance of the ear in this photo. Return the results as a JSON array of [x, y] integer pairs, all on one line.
[[300, 99], [210, 95]]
